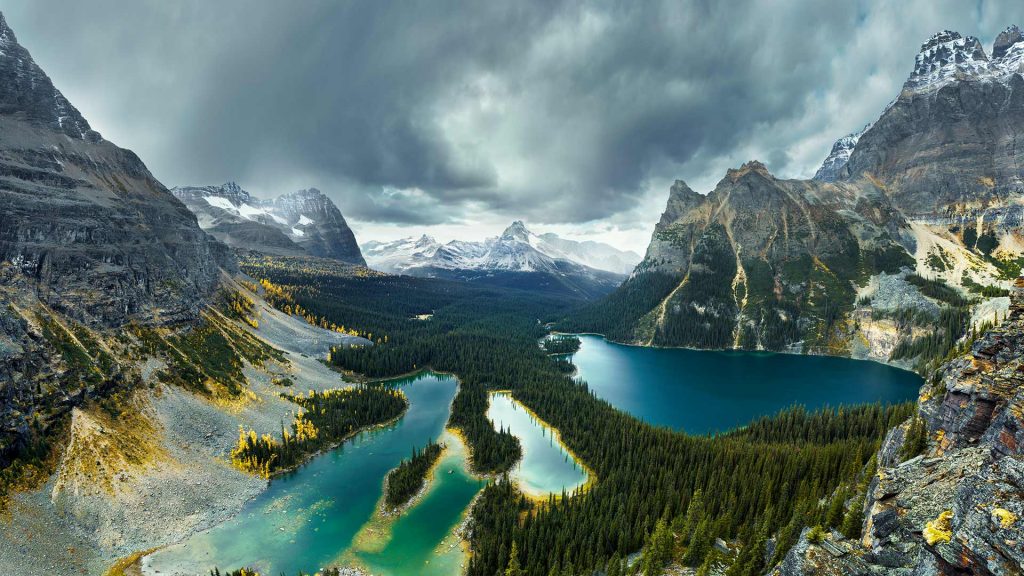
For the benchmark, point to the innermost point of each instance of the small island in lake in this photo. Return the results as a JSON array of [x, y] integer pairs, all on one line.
[[408, 478]]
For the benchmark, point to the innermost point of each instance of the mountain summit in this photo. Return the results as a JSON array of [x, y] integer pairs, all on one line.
[[302, 222], [29, 93]]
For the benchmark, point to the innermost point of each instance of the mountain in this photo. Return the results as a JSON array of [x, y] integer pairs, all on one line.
[[88, 238], [911, 218], [84, 223], [838, 157], [303, 222], [518, 258], [589, 253]]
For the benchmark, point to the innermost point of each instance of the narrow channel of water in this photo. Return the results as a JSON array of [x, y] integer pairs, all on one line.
[[704, 391], [546, 467]]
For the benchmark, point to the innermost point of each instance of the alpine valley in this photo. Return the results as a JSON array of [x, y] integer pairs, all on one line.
[[799, 377]]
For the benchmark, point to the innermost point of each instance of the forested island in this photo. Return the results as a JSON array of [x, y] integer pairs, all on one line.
[[408, 478]]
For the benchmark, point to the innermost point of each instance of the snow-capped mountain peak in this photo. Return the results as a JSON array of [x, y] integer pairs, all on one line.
[[306, 221], [516, 232], [944, 57], [516, 249], [832, 166], [948, 57]]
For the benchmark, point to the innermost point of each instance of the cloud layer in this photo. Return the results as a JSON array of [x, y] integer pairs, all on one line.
[[417, 113]]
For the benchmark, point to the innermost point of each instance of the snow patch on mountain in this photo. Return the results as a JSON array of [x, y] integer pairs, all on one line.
[[299, 222]]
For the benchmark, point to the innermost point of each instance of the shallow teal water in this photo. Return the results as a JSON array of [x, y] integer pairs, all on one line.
[[545, 467], [411, 545], [702, 391], [305, 520]]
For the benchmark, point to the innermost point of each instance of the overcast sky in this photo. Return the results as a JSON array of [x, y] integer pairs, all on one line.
[[454, 118]]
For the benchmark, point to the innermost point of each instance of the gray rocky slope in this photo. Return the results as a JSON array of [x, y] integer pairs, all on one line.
[[302, 222]]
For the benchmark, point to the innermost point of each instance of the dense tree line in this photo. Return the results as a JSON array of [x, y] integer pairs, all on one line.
[[938, 290], [327, 419], [766, 480], [409, 476]]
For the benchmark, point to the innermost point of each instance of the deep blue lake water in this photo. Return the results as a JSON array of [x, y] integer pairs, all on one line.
[[703, 391]]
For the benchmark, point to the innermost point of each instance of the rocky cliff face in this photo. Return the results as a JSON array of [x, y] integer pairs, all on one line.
[[87, 234], [324, 231], [303, 222], [837, 158], [958, 508], [762, 262], [946, 145], [92, 231]]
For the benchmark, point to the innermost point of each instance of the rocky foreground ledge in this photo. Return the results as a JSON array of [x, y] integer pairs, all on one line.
[[958, 508]]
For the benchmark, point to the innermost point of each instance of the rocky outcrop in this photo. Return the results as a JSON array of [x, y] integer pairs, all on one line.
[[324, 231], [304, 222], [832, 167], [958, 508]]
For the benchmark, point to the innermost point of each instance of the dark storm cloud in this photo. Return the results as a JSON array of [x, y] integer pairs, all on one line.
[[428, 111]]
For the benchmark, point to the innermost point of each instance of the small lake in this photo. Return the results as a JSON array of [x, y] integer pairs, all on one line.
[[310, 518], [706, 391], [546, 467]]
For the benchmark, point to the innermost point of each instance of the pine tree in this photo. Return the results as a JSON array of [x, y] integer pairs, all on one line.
[[513, 562]]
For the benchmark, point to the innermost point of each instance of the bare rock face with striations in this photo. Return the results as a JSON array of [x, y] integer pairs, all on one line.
[[95, 234], [947, 144], [759, 261], [86, 234], [324, 230]]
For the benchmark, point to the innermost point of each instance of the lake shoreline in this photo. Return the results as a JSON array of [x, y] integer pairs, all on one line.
[[541, 497], [738, 351]]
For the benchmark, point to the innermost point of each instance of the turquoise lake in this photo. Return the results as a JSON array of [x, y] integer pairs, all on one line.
[[704, 391], [546, 467], [325, 513], [310, 518]]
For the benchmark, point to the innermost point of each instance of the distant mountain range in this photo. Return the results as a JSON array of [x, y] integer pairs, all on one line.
[[297, 223], [517, 257]]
